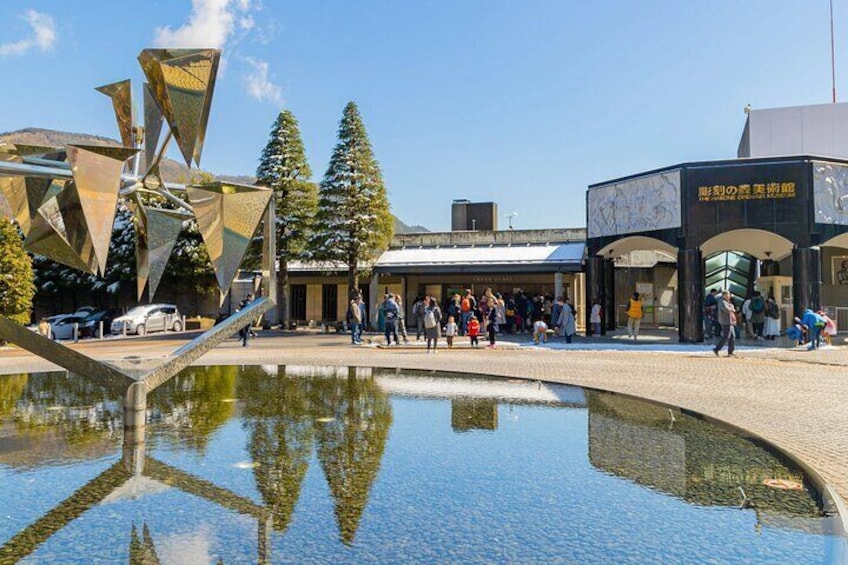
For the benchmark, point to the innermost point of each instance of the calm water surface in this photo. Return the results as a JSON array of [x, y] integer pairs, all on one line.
[[307, 464]]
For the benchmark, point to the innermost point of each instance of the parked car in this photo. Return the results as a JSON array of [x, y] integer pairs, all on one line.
[[90, 327], [63, 326], [84, 311], [151, 318]]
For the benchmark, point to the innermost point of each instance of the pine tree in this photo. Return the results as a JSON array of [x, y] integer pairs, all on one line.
[[353, 223], [16, 277], [284, 169]]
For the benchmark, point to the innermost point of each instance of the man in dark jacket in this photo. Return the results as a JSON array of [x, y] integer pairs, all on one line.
[[244, 333]]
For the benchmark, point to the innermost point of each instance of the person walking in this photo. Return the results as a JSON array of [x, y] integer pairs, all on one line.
[[432, 320], [390, 308], [244, 333], [566, 321], [354, 320], [635, 312], [726, 315], [401, 321]]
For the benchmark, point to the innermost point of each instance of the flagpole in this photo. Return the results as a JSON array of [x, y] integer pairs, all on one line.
[[832, 55]]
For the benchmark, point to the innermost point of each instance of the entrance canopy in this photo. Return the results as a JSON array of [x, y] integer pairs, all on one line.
[[562, 258], [757, 243], [636, 243]]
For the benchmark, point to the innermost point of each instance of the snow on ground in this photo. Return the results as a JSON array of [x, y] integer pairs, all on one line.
[[665, 347]]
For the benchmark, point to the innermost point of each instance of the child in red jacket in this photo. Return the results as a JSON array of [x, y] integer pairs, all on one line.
[[473, 330]]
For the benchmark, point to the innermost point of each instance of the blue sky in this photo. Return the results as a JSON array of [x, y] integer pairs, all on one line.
[[524, 103]]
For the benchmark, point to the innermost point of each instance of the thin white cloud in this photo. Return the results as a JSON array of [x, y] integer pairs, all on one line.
[[210, 24], [43, 35], [259, 86]]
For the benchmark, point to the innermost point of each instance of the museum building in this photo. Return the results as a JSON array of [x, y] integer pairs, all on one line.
[[773, 220]]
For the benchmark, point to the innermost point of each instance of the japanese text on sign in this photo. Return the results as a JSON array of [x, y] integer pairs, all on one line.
[[757, 191]]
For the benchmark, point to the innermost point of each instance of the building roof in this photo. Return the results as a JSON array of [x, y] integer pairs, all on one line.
[[563, 257]]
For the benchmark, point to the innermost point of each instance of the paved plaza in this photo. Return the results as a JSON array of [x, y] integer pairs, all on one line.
[[793, 398]]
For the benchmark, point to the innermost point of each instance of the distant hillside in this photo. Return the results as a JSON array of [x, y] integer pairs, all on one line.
[[172, 171]]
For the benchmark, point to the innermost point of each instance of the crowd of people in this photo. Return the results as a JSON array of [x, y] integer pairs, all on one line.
[[491, 314], [727, 319], [465, 315]]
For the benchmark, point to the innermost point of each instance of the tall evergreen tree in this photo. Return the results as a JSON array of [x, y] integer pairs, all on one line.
[[353, 223], [283, 168], [16, 286]]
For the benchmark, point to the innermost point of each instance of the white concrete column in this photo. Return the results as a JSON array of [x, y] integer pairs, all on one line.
[[269, 262], [558, 285], [373, 293]]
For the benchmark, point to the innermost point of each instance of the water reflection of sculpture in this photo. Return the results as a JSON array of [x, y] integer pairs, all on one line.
[[348, 418], [195, 403]]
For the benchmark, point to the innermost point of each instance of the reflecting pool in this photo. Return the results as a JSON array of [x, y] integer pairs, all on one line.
[[335, 465]]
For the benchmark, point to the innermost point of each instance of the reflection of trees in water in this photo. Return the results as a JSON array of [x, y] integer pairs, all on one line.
[[350, 446], [196, 403], [276, 414], [142, 550], [11, 389]]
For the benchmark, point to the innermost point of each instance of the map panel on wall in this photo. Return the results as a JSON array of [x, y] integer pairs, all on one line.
[[830, 193], [636, 205]]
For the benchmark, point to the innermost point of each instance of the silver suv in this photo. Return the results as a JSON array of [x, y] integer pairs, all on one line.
[[151, 318]]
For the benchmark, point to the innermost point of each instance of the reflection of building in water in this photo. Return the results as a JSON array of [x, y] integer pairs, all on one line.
[[473, 414], [48, 418], [696, 461]]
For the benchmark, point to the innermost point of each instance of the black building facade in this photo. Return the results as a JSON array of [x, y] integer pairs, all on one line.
[[770, 208]]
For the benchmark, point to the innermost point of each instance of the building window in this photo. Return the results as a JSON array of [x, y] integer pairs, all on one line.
[[298, 302], [329, 302]]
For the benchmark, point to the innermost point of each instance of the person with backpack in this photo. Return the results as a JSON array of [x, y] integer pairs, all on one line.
[[466, 308], [432, 320], [509, 312], [391, 310], [758, 317]]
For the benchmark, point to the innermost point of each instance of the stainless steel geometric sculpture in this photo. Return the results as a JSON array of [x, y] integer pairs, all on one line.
[[58, 230], [182, 82], [67, 209], [227, 217], [97, 179], [156, 232], [121, 95]]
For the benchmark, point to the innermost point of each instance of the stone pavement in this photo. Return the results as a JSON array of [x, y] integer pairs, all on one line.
[[793, 398]]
